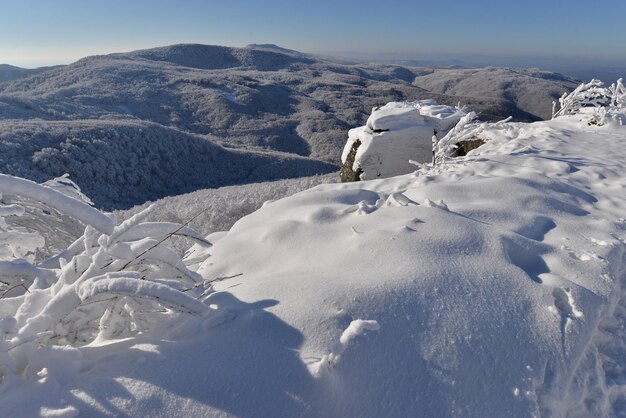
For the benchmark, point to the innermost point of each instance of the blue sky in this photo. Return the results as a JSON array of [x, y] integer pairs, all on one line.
[[38, 32]]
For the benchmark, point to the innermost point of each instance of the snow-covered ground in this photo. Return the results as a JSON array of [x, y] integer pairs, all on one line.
[[214, 210], [489, 285]]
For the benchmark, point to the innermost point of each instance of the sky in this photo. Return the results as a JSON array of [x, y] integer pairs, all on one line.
[[36, 32]]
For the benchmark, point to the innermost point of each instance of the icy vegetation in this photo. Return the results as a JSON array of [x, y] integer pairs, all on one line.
[[119, 164], [189, 117], [113, 282], [492, 284], [602, 105]]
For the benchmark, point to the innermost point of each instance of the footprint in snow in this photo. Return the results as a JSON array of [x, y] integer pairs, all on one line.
[[565, 305]]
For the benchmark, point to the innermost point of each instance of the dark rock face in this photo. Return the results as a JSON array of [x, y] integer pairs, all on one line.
[[466, 146], [347, 173]]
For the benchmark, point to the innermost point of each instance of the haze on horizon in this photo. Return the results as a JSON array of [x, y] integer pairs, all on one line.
[[552, 34]]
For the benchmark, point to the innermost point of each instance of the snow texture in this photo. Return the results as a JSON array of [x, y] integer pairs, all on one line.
[[496, 282]]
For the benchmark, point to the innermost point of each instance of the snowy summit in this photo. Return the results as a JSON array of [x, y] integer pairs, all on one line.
[[487, 285]]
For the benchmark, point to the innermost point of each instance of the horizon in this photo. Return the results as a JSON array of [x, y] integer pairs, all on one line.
[[483, 33], [603, 69]]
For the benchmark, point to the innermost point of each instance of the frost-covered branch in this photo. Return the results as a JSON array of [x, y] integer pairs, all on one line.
[[591, 94], [55, 199], [468, 129], [600, 104], [618, 94], [112, 282]]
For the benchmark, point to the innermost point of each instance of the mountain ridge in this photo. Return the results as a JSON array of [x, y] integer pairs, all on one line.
[[253, 99]]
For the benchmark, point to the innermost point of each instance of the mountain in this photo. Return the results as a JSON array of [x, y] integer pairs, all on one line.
[[274, 48], [518, 85], [255, 99], [11, 72], [120, 163], [488, 285]]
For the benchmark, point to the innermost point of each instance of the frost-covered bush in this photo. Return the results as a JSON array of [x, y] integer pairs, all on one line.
[[592, 94], [115, 281], [467, 129], [602, 104], [618, 94]]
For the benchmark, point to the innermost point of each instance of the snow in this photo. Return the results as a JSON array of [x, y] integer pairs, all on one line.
[[488, 285], [398, 133], [74, 207], [356, 328], [474, 295], [228, 93], [144, 125]]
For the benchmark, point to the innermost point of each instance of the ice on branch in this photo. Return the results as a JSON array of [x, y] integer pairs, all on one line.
[[112, 282], [598, 104]]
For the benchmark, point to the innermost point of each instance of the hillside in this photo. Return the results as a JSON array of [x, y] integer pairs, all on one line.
[[11, 72], [258, 98], [120, 163], [519, 85], [492, 284]]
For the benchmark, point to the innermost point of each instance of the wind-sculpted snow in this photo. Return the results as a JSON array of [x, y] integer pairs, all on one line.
[[216, 210], [485, 285], [488, 278], [254, 98]]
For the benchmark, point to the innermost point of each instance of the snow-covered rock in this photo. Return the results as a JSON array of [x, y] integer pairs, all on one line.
[[394, 135]]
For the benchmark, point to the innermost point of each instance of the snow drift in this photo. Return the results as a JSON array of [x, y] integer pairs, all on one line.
[[488, 285]]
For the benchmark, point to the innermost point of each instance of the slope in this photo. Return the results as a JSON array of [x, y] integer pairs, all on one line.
[[519, 85], [121, 163], [259, 98], [489, 285]]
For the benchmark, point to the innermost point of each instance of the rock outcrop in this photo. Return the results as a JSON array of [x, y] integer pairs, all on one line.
[[394, 135]]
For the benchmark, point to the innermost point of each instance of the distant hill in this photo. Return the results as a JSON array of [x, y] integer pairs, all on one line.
[[274, 48], [210, 57], [261, 99], [11, 72], [518, 85]]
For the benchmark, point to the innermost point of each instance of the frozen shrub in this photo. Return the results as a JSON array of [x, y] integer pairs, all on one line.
[[467, 130], [598, 104], [618, 94], [591, 94], [115, 281]]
